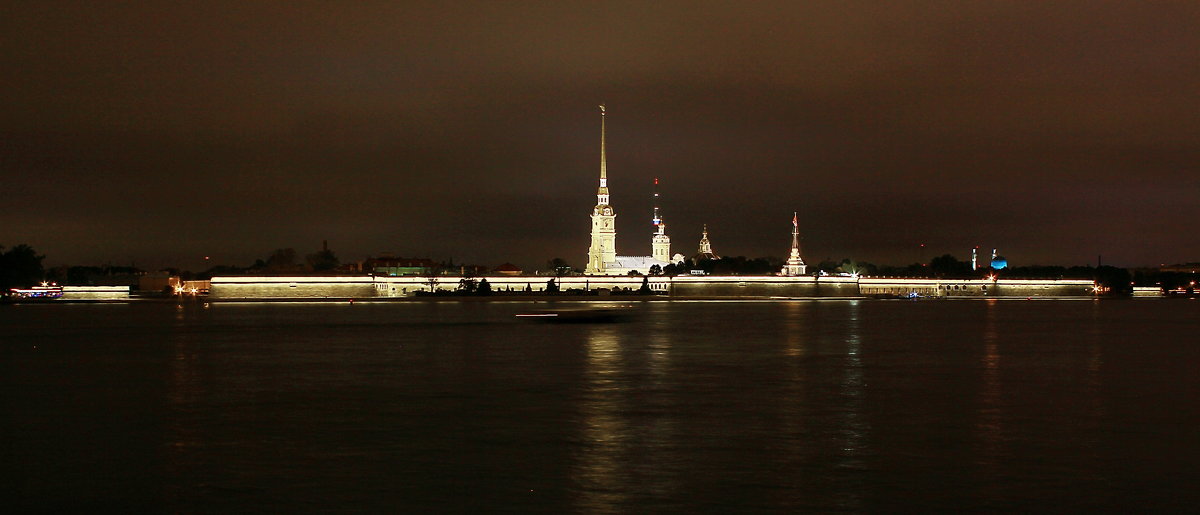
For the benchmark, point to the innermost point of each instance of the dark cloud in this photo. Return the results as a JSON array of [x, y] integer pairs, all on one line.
[[165, 132]]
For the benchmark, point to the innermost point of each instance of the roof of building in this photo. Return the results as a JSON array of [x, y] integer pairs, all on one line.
[[397, 262]]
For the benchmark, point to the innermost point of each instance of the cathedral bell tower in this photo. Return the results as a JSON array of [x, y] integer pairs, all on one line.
[[604, 221]]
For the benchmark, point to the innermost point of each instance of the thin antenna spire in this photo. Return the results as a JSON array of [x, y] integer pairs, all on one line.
[[657, 220]]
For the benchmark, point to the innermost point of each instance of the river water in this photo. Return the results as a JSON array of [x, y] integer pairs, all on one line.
[[1064, 405]]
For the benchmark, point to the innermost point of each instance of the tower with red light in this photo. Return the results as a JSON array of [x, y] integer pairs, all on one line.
[[660, 243]]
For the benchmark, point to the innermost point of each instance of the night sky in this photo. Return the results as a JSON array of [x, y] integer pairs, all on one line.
[[159, 133]]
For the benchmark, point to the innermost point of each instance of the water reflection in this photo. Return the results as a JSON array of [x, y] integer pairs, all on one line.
[[989, 427], [1096, 331], [1092, 384], [792, 399], [657, 432], [599, 466], [659, 351], [185, 386], [855, 429], [628, 418], [736, 407], [797, 313]]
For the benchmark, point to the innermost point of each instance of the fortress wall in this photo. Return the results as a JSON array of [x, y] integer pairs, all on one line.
[[95, 293], [926, 287], [1045, 288], [677, 287], [290, 287], [901, 287], [976, 287], [764, 286]]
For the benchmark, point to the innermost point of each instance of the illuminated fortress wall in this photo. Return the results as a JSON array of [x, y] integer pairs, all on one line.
[[764, 286], [95, 293], [407, 286], [291, 287], [676, 287], [1045, 288], [976, 287]]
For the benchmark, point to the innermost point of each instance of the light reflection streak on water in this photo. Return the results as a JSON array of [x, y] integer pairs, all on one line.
[[598, 469], [184, 387], [796, 312], [989, 427], [794, 418], [1095, 358], [1092, 382], [656, 449], [855, 429]]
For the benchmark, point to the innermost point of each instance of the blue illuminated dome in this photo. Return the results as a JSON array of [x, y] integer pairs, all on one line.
[[999, 263]]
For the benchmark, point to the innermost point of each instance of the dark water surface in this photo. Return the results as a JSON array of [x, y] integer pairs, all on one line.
[[715, 406]]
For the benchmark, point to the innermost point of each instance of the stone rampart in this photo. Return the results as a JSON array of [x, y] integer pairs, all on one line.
[[883, 286], [291, 287], [676, 287], [95, 293], [763, 286]]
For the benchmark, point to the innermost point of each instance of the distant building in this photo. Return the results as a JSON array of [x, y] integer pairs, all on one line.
[[507, 269], [158, 281], [393, 266], [998, 262], [795, 264], [706, 251], [1185, 268]]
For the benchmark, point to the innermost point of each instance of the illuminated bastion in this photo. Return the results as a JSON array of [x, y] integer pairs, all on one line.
[[679, 287]]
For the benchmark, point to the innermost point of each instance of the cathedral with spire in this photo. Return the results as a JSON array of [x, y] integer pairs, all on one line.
[[602, 254]]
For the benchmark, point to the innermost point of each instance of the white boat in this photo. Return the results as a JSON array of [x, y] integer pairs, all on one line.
[[606, 314]]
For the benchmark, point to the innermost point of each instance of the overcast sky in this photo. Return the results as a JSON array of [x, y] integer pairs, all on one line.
[[160, 132]]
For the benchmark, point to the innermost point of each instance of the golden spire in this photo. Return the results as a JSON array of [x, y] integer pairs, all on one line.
[[603, 165], [602, 192]]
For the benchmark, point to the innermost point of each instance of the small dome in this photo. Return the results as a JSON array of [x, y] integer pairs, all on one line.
[[999, 263]]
